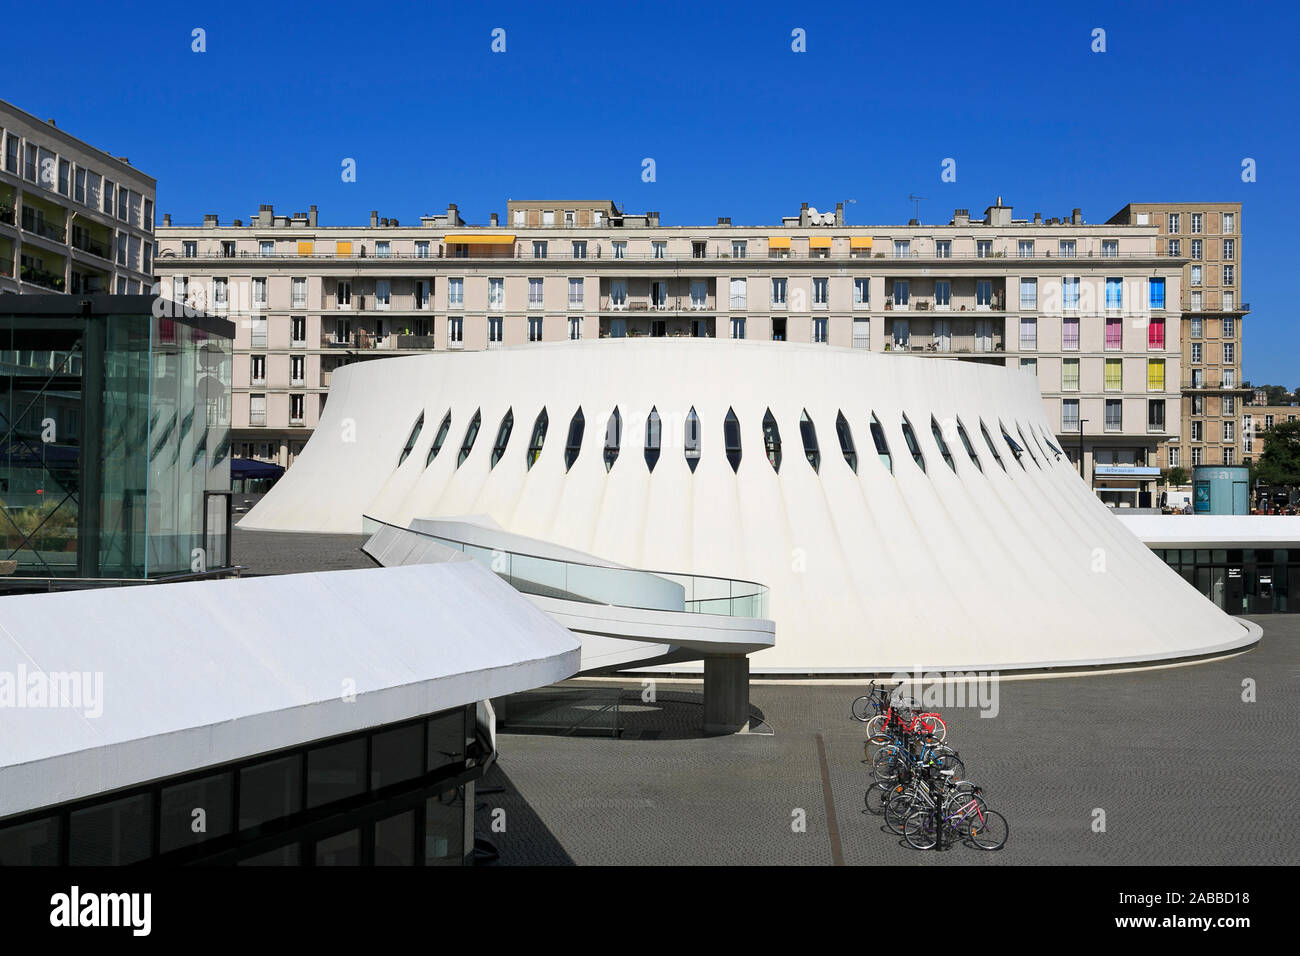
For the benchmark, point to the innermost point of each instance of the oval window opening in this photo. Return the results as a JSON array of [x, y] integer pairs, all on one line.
[[909, 436], [539, 438], [937, 432], [772, 441], [471, 433], [988, 440], [965, 440], [613, 439], [808, 432], [846, 441], [438, 440], [410, 441], [653, 438], [882, 446], [731, 436], [503, 437], [573, 445], [692, 440]]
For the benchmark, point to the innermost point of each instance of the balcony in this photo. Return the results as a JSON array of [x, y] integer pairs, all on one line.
[[6, 213], [38, 226], [85, 243], [673, 327], [42, 277]]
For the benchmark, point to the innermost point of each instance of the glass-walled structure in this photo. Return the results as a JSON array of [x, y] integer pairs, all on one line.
[[1239, 580], [114, 438]]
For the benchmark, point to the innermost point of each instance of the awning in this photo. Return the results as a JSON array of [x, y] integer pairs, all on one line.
[[343, 248], [819, 242], [479, 239], [306, 248], [778, 242], [251, 468], [860, 242]]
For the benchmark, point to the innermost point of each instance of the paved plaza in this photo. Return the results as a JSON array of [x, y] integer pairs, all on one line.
[[1184, 770]]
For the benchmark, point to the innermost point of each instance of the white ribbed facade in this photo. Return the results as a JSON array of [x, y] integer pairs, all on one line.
[[995, 565]]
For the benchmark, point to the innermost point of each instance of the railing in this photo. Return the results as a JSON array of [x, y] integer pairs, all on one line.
[[602, 584], [42, 228], [7, 214], [42, 278], [91, 246], [1239, 307]]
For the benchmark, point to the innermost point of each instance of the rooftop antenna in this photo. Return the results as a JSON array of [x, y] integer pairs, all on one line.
[[917, 201]]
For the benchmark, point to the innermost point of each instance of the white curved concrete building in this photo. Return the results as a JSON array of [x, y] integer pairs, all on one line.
[[905, 512]]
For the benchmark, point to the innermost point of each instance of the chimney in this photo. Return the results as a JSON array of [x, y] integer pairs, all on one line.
[[1076, 216], [839, 214], [913, 222], [652, 219], [311, 217], [960, 217], [453, 214], [210, 219], [52, 123], [384, 222], [167, 219], [374, 218], [237, 222], [1038, 219], [492, 220], [393, 223]]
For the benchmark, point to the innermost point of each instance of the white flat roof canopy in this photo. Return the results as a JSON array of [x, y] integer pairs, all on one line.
[[1215, 531]]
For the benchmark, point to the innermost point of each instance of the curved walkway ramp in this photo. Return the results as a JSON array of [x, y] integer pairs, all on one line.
[[624, 616]]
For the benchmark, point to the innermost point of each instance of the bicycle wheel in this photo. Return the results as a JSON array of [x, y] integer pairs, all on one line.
[[991, 833], [876, 730], [950, 761], [932, 728], [899, 806], [919, 830], [887, 765], [875, 798], [971, 808], [861, 708]]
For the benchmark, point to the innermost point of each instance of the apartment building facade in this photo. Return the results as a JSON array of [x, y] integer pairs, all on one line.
[[1256, 422], [1208, 236], [1092, 310], [73, 219]]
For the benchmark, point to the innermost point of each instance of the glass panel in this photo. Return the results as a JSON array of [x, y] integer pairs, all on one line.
[[444, 829], [269, 791], [573, 445], [446, 740], [772, 441], [653, 435], [30, 844], [281, 856], [396, 755], [196, 811], [438, 439], [111, 834], [342, 849], [731, 438], [846, 441], [336, 772], [395, 840], [808, 432]]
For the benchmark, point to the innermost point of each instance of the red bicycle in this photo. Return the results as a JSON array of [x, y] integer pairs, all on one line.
[[882, 728]]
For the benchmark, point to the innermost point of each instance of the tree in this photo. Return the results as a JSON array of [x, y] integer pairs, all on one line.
[[1176, 475], [1280, 462], [1276, 395]]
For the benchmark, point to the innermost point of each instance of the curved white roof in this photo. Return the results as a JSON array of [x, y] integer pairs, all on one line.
[[205, 672], [973, 566]]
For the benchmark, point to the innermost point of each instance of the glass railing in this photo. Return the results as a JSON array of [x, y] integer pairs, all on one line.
[[602, 584]]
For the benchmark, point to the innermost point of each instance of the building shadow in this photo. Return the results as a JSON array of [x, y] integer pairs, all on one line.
[[504, 818]]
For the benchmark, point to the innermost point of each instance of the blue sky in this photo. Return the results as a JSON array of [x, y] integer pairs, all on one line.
[[738, 124]]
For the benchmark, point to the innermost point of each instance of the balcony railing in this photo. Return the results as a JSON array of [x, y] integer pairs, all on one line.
[[6, 214], [1239, 307], [42, 228], [86, 244], [42, 278]]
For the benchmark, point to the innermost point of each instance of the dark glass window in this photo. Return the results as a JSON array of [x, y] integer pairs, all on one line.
[[539, 438], [573, 445], [772, 441], [943, 445], [808, 432], [503, 437], [846, 441], [410, 442], [910, 438], [336, 772], [342, 849], [1029, 446], [471, 433], [882, 446], [446, 740], [438, 439], [395, 840], [965, 440], [396, 755], [653, 437], [613, 438], [180, 815], [281, 856], [30, 844], [111, 834], [269, 791], [1016, 450], [988, 440], [731, 438], [444, 829], [692, 439]]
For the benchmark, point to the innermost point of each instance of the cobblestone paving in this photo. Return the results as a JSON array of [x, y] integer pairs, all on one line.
[[282, 552], [1185, 771]]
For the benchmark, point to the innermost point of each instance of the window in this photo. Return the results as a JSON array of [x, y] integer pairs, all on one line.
[[576, 295], [1025, 249], [1070, 335], [617, 293], [965, 440], [660, 249], [653, 438], [772, 441], [411, 439], [738, 327], [1229, 456], [1156, 334], [534, 328], [739, 248], [613, 438], [845, 435], [731, 438], [1155, 375], [1198, 431], [256, 410], [808, 432], [580, 249], [456, 292], [1114, 293], [1229, 327], [738, 295], [692, 440], [943, 445], [912, 445], [1028, 294], [983, 294], [1229, 300], [422, 249], [942, 294], [575, 327], [1109, 248], [862, 292], [439, 439], [1229, 353], [1176, 248], [539, 249], [496, 293], [1114, 375], [1066, 248], [1196, 328], [259, 291], [1195, 275], [1070, 295], [1229, 378], [297, 369], [548, 217], [1114, 334], [503, 437], [821, 292], [902, 248], [943, 249], [109, 189], [1175, 456], [570, 218], [455, 329], [1196, 248], [1114, 415], [495, 324], [383, 249], [219, 293], [882, 446], [1029, 365], [257, 369], [659, 294], [779, 292], [992, 447], [1197, 455], [1229, 222], [1070, 375], [1229, 404], [1229, 249], [1196, 302], [902, 293], [1028, 335], [1229, 432], [1070, 415], [1173, 223], [471, 433], [539, 438], [902, 334], [820, 333], [12, 144], [1198, 381], [1196, 223], [298, 330], [1156, 293], [383, 293], [620, 250], [1229, 275]]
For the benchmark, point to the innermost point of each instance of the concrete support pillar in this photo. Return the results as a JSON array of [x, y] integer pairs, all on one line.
[[726, 693]]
